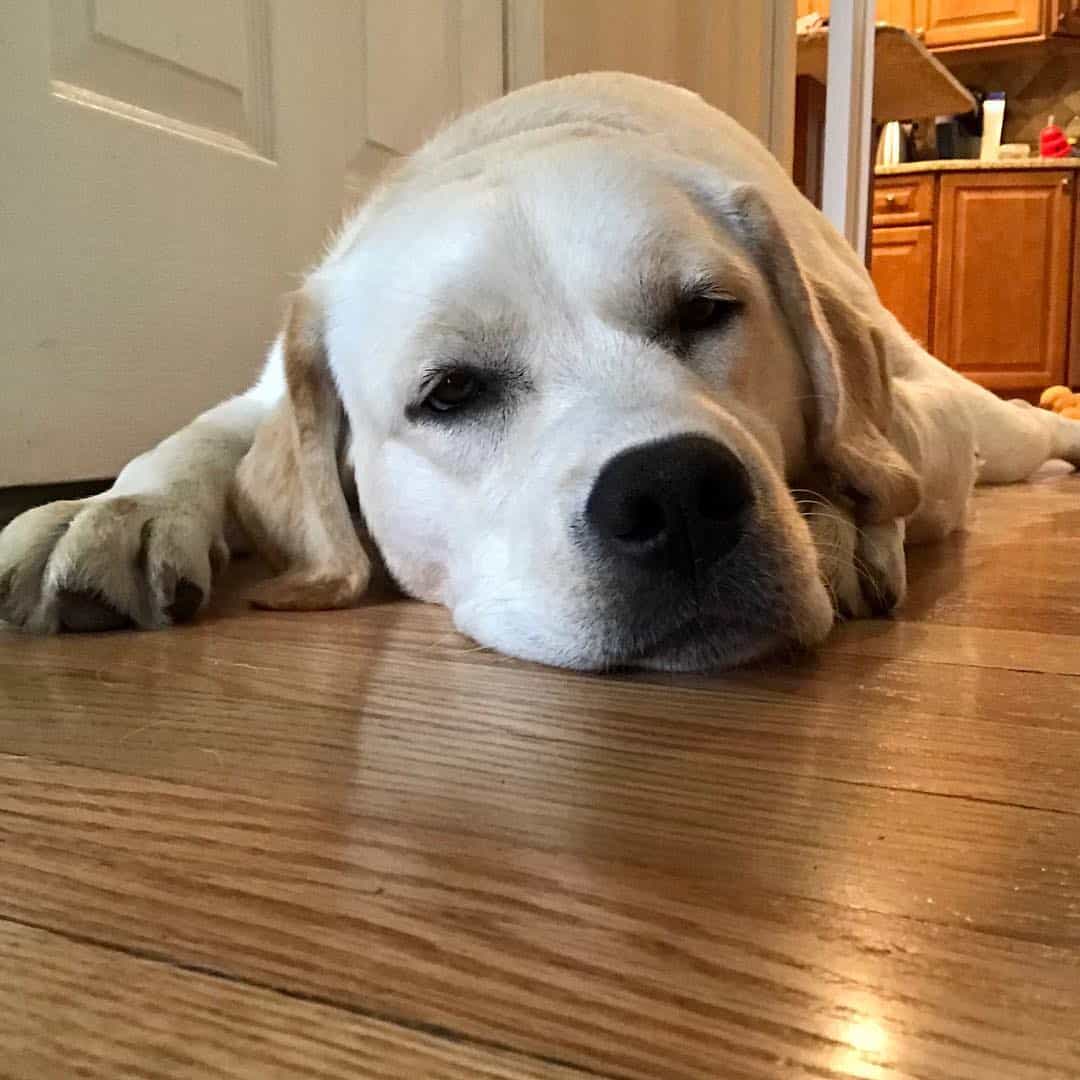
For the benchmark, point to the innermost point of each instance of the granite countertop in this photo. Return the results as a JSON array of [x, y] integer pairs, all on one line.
[[972, 164]]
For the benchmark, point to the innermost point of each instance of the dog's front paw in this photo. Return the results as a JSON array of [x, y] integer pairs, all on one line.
[[864, 568], [107, 563], [882, 566]]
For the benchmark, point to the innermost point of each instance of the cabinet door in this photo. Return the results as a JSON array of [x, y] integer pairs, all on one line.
[[901, 265], [1002, 282], [968, 22], [910, 14]]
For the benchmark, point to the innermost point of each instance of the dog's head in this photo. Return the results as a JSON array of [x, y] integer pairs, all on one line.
[[578, 381]]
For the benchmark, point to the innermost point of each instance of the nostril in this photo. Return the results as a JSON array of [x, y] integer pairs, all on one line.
[[642, 520]]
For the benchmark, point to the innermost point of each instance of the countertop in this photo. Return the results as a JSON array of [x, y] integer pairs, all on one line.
[[972, 165]]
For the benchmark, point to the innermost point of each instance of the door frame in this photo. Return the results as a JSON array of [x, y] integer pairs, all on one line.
[[845, 189], [524, 53]]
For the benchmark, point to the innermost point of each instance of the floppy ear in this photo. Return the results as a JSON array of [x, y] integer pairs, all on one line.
[[845, 359], [287, 493]]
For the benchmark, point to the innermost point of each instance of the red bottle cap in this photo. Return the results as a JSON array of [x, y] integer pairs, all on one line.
[[1053, 143]]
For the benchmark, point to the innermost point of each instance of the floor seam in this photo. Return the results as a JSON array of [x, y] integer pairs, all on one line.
[[437, 1031]]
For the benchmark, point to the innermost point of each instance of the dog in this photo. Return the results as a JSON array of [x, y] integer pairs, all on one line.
[[601, 381]]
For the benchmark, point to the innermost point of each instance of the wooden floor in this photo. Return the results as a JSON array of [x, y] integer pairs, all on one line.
[[353, 845]]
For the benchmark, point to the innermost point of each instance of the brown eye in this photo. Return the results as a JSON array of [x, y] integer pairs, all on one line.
[[454, 389], [700, 313]]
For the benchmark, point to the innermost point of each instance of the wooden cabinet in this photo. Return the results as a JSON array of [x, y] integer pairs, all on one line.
[[966, 22], [972, 24], [1002, 276], [902, 265], [962, 24], [904, 200], [910, 14], [979, 266]]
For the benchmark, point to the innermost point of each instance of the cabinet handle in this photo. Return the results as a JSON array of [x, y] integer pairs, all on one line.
[[1065, 183], [890, 200]]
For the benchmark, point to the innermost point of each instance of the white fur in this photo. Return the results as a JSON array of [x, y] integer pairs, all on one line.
[[541, 215]]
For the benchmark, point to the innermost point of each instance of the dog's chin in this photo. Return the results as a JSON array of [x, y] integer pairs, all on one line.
[[696, 641], [711, 642], [696, 649]]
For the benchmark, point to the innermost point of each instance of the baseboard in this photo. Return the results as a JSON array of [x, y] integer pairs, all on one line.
[[14, 500]]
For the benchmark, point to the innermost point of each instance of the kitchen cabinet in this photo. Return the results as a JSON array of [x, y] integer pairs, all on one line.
[[808, 7], [902, 248], [902, 264], [904, 200], [910, 14], [958, 24], [1002, 276], [977, 264], [967, 24]]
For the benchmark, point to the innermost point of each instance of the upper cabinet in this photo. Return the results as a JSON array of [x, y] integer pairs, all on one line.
[[968, 22], [807, 7], [909, 14], [964, 24]]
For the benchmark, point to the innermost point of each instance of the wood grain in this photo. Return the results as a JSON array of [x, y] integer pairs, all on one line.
[[861, 863], [68, 1008]]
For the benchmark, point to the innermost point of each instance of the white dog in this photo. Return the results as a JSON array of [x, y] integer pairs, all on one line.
[[581, 358]]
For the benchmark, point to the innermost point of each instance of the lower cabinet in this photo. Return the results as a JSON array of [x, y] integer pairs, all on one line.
[[987, 285], [1004, 258], [902, 263]]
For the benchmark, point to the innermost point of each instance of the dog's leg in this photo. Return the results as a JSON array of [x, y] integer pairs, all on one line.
[[140, 554], [1013, 438]]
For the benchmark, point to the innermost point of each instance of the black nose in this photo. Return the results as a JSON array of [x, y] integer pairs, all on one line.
[[679, 504]]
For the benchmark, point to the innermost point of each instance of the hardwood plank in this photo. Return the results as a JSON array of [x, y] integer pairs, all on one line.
[[252, 703], [1014, 568], [68, 1008], [961, 646], [788, 936]]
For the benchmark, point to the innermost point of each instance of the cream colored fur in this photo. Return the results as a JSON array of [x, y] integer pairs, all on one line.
[[532, 228]]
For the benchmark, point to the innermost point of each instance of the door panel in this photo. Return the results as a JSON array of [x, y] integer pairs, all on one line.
[[450, 56], [964, 22], [902, 264], [177, 165], [1002, 289]]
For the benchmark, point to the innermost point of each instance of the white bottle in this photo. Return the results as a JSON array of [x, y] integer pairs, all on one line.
[[993, 114]]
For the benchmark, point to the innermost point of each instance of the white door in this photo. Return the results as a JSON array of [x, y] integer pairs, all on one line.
[[167, 168]]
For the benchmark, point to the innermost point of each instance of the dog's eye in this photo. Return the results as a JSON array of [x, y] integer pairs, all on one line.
[[453, 390], [700, 313]]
